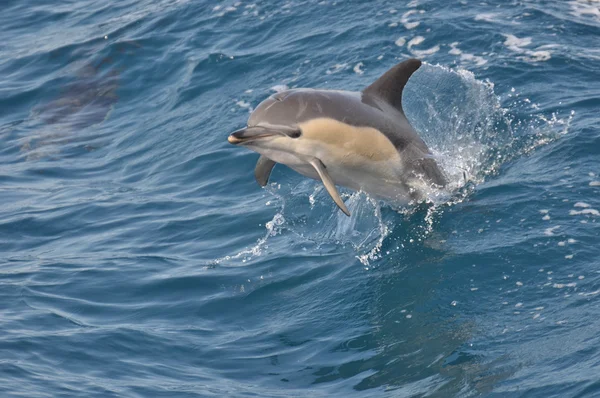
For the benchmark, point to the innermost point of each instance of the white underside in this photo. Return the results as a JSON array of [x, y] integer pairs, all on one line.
[[377, 178]]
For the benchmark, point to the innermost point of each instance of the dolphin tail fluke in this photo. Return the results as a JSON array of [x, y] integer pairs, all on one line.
[[263, 169], [329, 185]]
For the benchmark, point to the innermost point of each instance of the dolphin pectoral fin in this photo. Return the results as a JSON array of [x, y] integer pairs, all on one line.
[[329, 185], [263, 169]]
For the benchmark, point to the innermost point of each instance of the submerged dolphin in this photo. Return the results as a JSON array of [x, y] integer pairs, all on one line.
[[359, 140]]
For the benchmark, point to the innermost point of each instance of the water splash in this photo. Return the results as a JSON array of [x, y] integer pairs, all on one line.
[[468, 130], [273, 227]]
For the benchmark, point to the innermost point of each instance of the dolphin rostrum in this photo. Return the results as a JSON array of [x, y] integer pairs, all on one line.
[[359, 140]]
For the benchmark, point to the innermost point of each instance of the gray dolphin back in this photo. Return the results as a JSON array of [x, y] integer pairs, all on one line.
[[378, 106]]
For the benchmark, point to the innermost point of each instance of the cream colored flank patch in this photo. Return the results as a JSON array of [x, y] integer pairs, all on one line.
[[363, 141]]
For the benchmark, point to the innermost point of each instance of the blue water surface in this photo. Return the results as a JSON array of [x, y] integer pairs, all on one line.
[[139, 258]]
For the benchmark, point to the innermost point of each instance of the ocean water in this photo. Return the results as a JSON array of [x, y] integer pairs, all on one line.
[[139, 258]]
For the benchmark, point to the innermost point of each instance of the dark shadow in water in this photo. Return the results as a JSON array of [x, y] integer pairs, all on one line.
[[84, 102], [420, 342]]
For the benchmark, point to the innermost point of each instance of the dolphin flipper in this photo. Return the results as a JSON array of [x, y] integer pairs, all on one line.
[[329, 185], [263, 169]]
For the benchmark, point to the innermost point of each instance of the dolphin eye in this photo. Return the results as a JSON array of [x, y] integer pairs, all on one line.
[[295, 134]]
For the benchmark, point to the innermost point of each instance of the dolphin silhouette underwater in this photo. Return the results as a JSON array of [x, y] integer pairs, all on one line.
[[359, 140]]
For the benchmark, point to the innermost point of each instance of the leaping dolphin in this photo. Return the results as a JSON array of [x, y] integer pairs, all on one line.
[[359, 140]]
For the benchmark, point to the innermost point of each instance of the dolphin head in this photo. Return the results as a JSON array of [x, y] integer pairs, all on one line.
[[274, 121], [258, 135], [279, 122], [273, 127]]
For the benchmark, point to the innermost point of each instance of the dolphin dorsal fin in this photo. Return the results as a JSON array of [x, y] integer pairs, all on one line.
[[389, 86]]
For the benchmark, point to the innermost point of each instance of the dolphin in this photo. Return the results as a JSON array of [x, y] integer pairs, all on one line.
[[359, 140]]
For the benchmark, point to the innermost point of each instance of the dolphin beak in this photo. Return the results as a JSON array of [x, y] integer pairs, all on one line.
[[250, 134]]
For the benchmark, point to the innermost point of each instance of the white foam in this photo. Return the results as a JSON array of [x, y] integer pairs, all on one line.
[[415, 41], [590, 293], [488, 17], [411, 25], [244, 105], [400, 42], [454, 49], [336, 68], [517, 45], [563, 285], [582, 204], [429, 51], [466, 57], [585, 8], [279, 88], [406, 22], [539, 56], [550, 231], [593, 212], [357, 68], [546, 217], [514, 43], [595, 184], [224, 11], [312, 197]]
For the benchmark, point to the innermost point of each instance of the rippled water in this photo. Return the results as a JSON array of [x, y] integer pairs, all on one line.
[[140, 258]]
